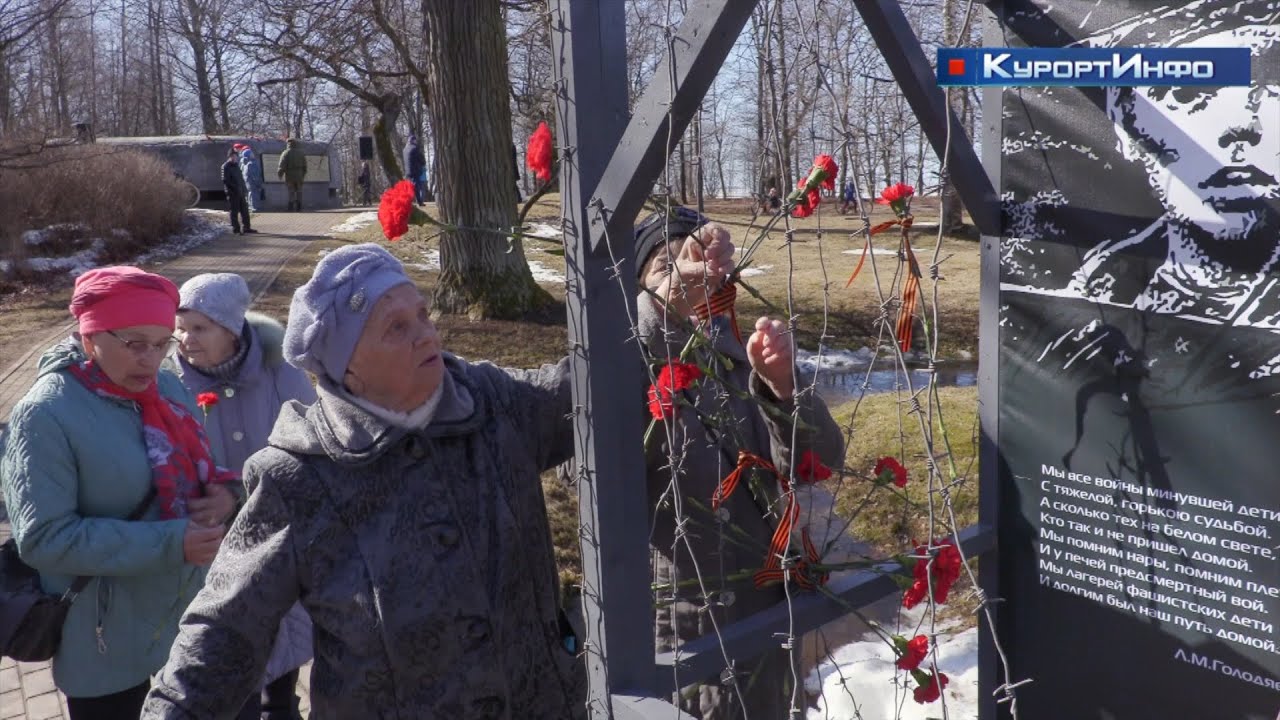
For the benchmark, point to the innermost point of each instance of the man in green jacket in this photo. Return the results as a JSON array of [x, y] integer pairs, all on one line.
[[293, 168]]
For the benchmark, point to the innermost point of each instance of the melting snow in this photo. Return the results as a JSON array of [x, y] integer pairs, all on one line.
[[859, 680], [356, 222]]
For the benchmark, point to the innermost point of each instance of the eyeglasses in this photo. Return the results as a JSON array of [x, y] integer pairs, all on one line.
[[141, 348]]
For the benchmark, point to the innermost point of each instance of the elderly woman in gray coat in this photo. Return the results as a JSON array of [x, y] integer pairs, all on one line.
[[404, 510], [236, 357], [681, 259]]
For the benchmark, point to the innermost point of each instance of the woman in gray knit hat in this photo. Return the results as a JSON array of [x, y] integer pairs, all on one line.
[[238, 357], [404, 509]]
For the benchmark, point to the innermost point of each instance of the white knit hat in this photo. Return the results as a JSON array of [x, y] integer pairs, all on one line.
[[223, 297]]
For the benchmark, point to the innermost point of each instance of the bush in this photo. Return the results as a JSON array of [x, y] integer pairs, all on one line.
[[127, 198]]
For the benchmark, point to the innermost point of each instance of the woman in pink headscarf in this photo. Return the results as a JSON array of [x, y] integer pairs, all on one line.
[[107, 474]]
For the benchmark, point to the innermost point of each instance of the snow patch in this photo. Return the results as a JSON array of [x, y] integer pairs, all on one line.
[[859, 680], [544, 273], [755, 271], [544, 232], [432, 261], [76, 264], [833, 359], [33, 238], [196, 231], [356, 222]]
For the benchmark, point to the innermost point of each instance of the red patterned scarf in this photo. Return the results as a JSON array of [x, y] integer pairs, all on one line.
[[181, 463]]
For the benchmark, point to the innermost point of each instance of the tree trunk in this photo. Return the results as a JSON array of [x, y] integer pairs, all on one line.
[[191, 26], [6, 94], [788, 162], [388, 113], [122, 113], [952, 218], [223, 96], [157, 69], [58, 78], [482, 273]]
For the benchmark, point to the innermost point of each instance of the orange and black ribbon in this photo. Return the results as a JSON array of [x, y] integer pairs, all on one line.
[[910, 298], [722, 302], [801, 572], [778, 545], [866, 247], [746, 461]]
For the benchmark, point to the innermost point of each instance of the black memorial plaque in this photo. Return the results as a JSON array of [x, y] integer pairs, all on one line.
[[1139, 375]]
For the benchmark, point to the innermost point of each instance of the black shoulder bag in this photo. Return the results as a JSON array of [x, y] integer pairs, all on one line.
[[30, 619]]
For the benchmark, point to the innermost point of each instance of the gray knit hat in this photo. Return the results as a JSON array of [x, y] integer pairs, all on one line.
[[224, 297], [328, 313]]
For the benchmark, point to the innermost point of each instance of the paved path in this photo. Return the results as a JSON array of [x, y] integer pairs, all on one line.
[[26, 689]]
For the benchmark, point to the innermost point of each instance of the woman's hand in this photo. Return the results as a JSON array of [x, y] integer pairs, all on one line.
[[772, 355], [701, 266], [215, 508], [200, 544]]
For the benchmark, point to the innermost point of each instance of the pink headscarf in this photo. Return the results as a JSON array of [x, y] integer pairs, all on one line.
[[117, 297]]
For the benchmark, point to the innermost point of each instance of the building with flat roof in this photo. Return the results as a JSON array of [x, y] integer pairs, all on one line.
[[199, 159]]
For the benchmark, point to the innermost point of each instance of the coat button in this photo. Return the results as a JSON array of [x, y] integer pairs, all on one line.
[[237, 436], [230, 392]]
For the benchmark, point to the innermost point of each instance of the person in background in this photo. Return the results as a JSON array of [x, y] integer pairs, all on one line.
[[103, 432], [848, 196], [775, 201], [237, 194], [404, 510], [365, 181], [515, 171], [238, 356], [251, 169], [292, 168], [415, 167]]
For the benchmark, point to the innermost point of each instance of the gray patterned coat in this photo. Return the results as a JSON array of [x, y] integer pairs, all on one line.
[[424, 559], [706, 548]]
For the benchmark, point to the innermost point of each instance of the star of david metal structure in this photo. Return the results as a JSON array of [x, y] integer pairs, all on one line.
[[610, 162]]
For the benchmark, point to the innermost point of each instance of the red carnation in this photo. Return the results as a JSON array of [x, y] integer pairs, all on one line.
[[896, 197], [945, 570], [206, 400], [395, 209], [914, 594], [538, 154], [806, 201], [894, 193], [911, 652], [673, 378], [827, 165], [887, 469], [930, 686], [811, 469]]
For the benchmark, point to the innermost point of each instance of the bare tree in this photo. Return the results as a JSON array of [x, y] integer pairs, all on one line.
[[482, 273]]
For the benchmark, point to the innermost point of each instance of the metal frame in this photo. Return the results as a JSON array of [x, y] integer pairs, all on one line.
[[989, 373], [609, 168]]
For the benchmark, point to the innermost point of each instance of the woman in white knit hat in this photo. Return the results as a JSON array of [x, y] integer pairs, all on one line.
[[237, 356]]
